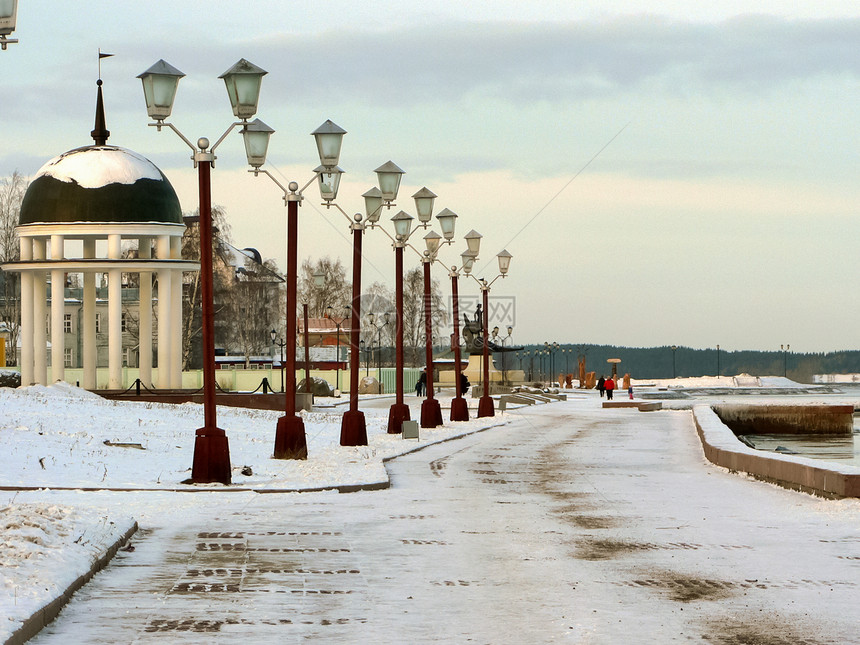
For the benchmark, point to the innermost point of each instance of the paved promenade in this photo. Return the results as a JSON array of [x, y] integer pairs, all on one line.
[[572, 524]]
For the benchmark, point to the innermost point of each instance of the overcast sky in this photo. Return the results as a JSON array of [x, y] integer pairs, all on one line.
[[662, 172]]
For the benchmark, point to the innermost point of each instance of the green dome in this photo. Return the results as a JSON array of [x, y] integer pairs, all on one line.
[[100, 184]]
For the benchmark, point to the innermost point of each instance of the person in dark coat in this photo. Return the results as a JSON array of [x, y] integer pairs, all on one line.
[[601, 386], [421, 385], [464, 383]]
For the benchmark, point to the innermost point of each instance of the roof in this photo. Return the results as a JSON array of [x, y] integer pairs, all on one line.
[[100, 184], [323, 326]]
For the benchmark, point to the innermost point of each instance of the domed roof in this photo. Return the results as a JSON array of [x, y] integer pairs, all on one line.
[[100, 184]]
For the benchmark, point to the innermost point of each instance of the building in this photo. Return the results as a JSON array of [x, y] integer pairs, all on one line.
[[92, 212]]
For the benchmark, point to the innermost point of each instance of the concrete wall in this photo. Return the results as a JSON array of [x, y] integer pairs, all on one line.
[[723, 448], [788, 419]]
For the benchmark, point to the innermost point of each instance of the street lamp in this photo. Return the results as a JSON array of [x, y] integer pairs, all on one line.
[[329, 314], [8, 18], [280, 343], [486, 408], [211, 449], [785, 359], [459, 405], [371, 318], [362, 346], [431, 411], [718, 361], [353, 427], [674, 347], [290, 439], [447, 224]]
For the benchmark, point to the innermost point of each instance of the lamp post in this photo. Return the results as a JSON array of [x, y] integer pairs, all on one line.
[[718, 361], [211, 449], [280, 343], [431, 411], [353, 431], [486, 408], [566, 351], [338, 323], [8, 18], [459, 405], [290, 439], [674, 374], [785, 359], [371, 317]]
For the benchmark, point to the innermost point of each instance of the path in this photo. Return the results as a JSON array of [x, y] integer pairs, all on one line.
[[572, 525]]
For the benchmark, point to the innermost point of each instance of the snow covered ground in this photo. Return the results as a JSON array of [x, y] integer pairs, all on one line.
[[60, 437]]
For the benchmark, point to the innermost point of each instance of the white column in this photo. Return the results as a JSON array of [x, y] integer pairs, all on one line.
[[88, 333], [176, 316], [58, 307], [145, 314], [27, 342], [40, 320], [162, 251], [114, 315]]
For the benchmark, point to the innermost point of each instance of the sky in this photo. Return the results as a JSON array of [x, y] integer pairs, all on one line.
[[663, 173]]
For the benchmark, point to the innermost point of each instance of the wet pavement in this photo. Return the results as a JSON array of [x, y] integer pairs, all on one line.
[[571, 524]]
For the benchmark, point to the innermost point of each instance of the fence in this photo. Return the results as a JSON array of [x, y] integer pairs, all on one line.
[[239, 379]]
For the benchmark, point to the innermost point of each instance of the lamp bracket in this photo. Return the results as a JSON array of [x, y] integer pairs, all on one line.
[[228, 131]]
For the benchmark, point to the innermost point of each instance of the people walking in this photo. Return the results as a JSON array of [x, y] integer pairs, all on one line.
[[421, 385], [601, 385], [610, 388]]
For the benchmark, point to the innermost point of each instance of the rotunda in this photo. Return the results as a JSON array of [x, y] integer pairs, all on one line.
[[100, 210]]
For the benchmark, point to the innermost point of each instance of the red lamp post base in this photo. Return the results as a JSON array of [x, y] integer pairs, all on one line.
[[353, 430], [486, 407], [431, 413], [211, 457], [397, 414], [290, 442], [459, 409]]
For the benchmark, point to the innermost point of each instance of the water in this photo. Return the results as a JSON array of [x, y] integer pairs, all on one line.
[[843, 450]]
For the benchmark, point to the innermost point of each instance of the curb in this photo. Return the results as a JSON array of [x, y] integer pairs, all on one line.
[[35, 623]]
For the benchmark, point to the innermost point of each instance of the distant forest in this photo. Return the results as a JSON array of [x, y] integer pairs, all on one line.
[[657, 362]]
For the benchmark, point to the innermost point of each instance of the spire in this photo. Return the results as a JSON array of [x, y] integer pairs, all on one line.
[[100, 132]]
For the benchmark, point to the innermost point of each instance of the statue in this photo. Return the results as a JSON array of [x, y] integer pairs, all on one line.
[[474, 337]]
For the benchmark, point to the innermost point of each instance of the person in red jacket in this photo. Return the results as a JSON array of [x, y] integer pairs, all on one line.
[[610, 388]]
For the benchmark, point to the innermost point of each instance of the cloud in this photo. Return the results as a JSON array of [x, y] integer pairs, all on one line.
[[450, 61]]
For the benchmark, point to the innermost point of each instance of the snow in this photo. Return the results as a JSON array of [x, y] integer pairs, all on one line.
[[54, 437], [95, 167], [43, 549]]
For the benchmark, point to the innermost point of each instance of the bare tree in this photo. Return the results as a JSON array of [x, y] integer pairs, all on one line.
[[251, 306], [12, 191], [413, 314], [379, 300], [336, 292], [192, 295]]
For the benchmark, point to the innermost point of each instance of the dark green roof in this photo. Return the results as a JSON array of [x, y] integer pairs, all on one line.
[[100, 184]]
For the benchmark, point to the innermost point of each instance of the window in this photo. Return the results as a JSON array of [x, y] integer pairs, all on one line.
[[68, 357], [122, 323], [67, 323], [126, 355], [98, 323]]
